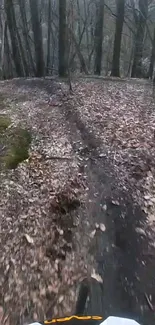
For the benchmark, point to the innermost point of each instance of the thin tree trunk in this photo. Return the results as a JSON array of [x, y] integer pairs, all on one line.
[[99, 36], [11, 20], [62, 39], [139, 41], [25, 63], [80, 56], [118, 37], [8, 62], [79, 43], [49, 36], [79, 19], [86, 20], [152, 59], [25, 35], [37, 34], [3, 34]]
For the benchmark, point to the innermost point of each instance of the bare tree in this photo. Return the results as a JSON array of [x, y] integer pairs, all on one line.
[[62, 39], [25, 33], [49, 37], [99, 36], [37, 34], [11, 21], [141, 15], [118, 36], [152, 59]]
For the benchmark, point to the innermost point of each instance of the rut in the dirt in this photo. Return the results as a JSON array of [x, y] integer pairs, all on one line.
[[122, 256]]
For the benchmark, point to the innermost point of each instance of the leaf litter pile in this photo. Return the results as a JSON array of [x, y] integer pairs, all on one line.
[[40, 203], [44, 242]]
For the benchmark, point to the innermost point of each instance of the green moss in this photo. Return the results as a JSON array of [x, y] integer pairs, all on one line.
[[3, 98], [4, 123], [18, 150]]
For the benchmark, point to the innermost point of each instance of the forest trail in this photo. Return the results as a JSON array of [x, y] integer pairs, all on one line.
[[82, 200]]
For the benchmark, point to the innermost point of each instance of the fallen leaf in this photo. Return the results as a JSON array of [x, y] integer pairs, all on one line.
[[96, 276], [115, 202], [104, 207], [43, 292], [29, 239], [92, 234], [61, 298], [102, 227], [140, 231], [97, 226]]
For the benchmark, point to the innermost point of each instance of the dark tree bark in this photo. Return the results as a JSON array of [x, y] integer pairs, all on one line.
[[37, 34], [152, 59], [99, 36], [23, 55], [139, 40], [49, 37], [26, 36], [8, 63], [118, 37], [11, 21], [62, 39]]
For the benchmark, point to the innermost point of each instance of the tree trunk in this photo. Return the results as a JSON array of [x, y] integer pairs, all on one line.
[[62, 39], [3, 35], [152, 59], [37, 34], [8, 62], [49, 37], [115, 72], [99, 36], [11, 21], [79, 54], [139, 41], [26, 35], [23, 55]]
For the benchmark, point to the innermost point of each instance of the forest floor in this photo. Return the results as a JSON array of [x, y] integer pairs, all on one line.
[[77, 189]]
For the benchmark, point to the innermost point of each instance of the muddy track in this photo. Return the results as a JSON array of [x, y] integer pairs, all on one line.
[[120, 253]]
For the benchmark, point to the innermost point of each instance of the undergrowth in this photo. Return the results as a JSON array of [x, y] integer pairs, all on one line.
[[4, 123]]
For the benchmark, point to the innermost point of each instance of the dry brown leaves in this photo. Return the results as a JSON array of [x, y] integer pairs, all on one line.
[[121, 114], [41, 258], [39, 264]]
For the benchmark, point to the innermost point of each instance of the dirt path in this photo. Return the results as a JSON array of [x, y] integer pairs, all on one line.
[[123, 253], [105, 129], [123, 258]]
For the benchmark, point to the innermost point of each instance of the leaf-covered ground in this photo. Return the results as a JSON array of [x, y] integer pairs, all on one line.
[[90, 171]]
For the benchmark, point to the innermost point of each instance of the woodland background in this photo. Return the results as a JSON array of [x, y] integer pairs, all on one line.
[[48, 37]]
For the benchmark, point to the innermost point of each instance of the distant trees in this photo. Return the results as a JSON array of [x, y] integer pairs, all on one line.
[[114, 37], [120, 5], [14, 37]]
